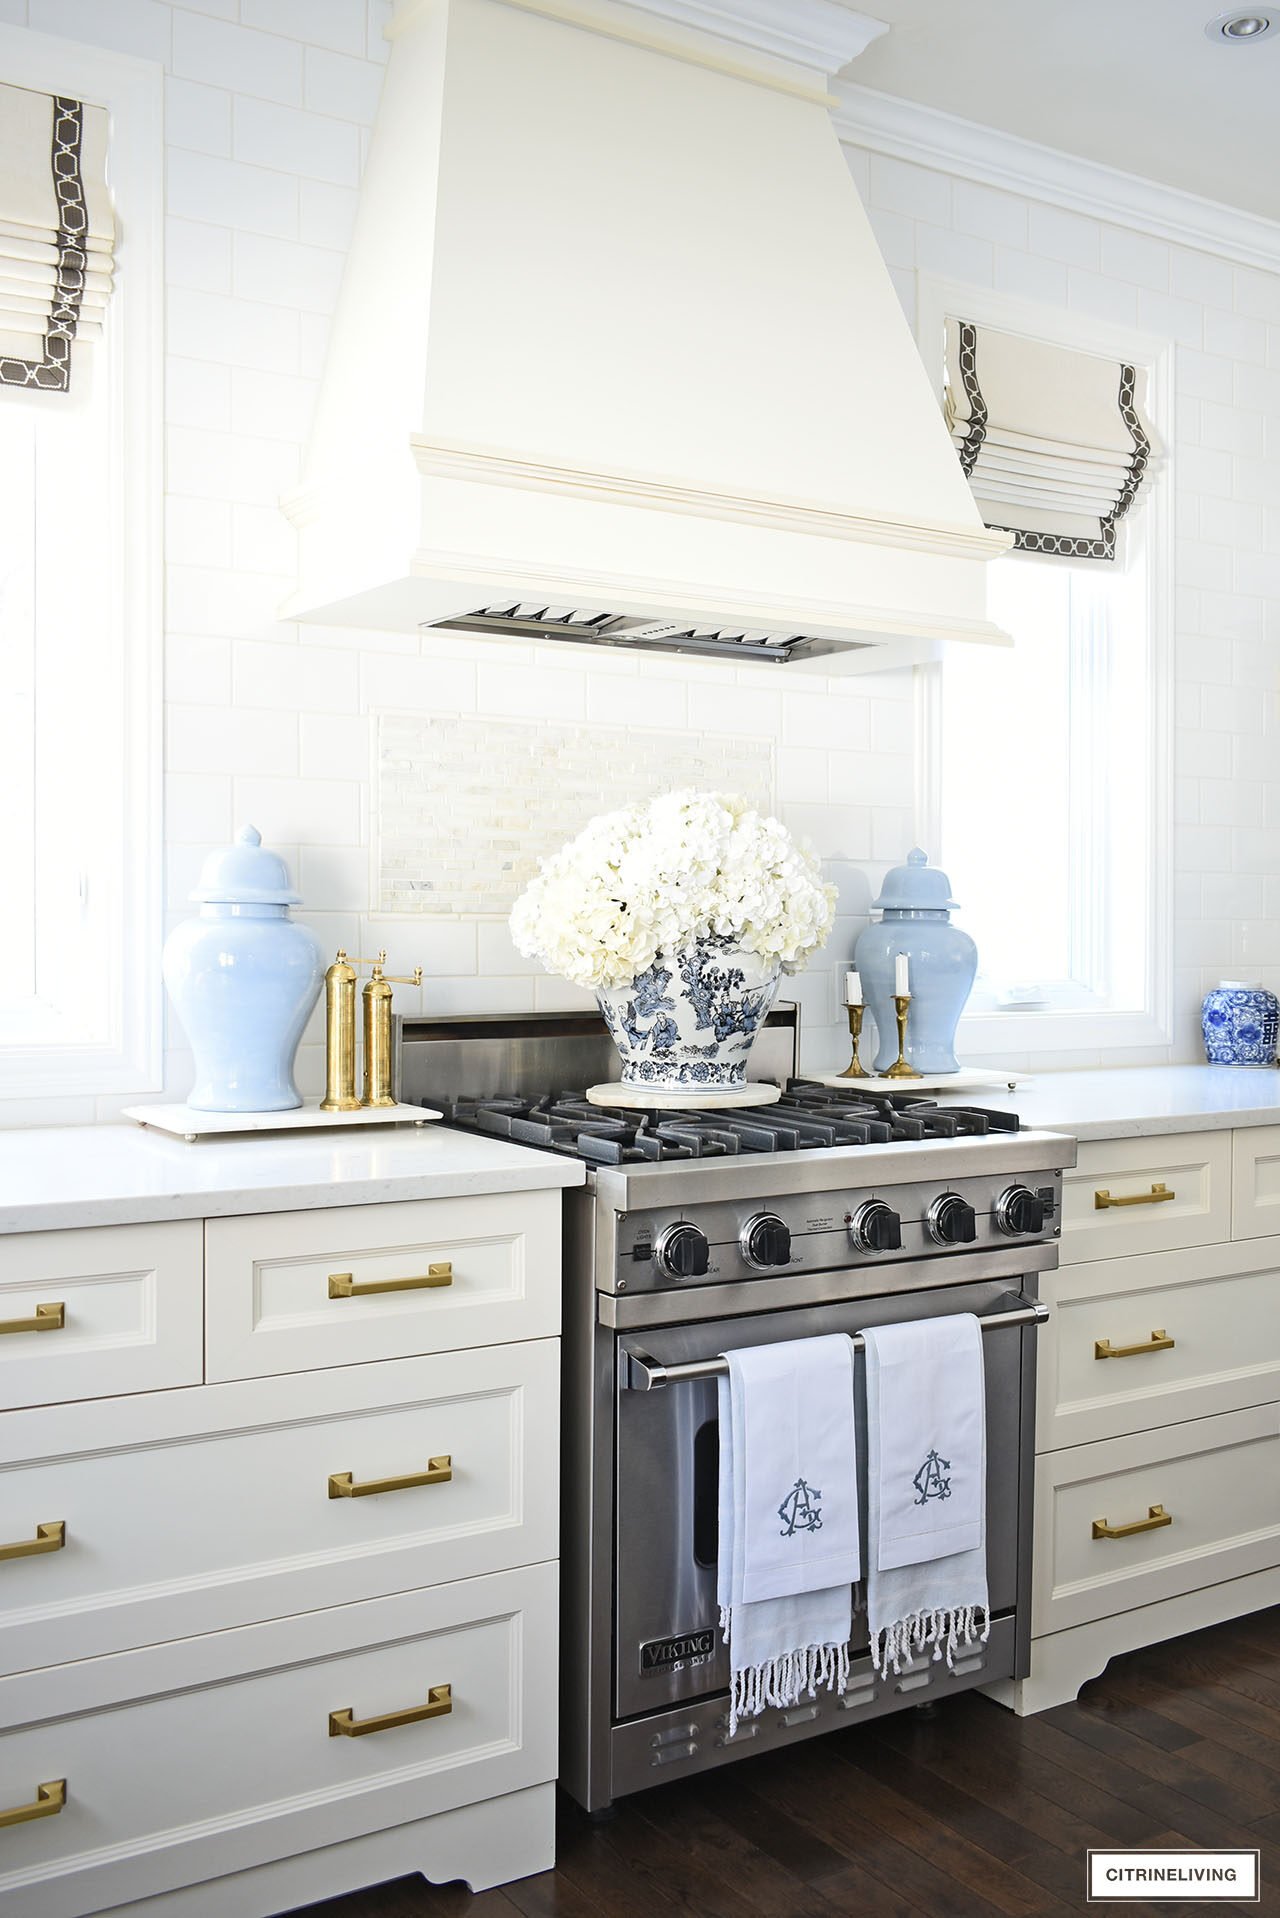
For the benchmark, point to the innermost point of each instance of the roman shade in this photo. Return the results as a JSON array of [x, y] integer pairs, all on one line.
[[57, 234], [1053, 441]]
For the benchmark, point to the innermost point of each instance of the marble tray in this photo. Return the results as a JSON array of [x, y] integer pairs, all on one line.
[[968, 1079], [186, 1123]]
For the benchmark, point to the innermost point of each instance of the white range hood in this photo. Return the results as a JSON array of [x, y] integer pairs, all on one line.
[[616, 360]]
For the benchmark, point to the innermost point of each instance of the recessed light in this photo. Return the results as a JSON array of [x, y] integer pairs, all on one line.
[[1240, 29]]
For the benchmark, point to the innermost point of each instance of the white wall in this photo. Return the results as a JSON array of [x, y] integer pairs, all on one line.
[[268, 102]]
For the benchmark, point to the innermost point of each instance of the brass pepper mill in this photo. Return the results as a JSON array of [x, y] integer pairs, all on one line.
[[377, 1030], [340, 1036]]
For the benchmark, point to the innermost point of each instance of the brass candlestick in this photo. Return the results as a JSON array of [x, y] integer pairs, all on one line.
[[855, 1068], [900, 1069]]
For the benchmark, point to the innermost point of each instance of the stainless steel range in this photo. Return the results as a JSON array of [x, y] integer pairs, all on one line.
[[700, 1232]]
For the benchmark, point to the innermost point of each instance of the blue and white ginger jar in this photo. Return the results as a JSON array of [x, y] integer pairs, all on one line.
[[688, 1022], [915, 906], [244, 978], [1240, 1020]]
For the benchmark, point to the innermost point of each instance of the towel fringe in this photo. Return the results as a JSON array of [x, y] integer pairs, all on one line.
[[784, 1680], [947, 1629]]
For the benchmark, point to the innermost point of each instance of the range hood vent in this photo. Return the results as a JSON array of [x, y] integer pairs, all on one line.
[[575, 627], [614, 334]]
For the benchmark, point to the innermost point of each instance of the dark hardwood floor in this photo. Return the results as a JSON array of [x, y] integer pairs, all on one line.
[[970, 1813]]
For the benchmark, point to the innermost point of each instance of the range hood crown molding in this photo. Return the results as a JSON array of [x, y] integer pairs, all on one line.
[[569, 358], [820, 34]]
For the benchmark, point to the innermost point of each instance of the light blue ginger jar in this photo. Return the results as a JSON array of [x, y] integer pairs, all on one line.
[[244, 978], [1240, 1020], [915, 905]]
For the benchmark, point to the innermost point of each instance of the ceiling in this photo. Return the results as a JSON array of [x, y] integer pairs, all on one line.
[[1132, 84]]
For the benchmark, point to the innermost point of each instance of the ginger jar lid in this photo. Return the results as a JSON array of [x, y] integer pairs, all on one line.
[[245, 874], [915, 887]]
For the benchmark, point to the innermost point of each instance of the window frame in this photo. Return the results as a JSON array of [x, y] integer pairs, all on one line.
[[1058, 1031], [130, 608]]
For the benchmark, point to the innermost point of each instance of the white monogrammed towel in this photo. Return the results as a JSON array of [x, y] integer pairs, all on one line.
[[789, 1548], [926, 1488]]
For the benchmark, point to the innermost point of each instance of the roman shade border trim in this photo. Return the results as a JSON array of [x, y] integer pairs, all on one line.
[[1057, 545], [52, 372]]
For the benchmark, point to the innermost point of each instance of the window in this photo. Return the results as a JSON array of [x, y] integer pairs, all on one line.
[[80, 498], [1045, 774]]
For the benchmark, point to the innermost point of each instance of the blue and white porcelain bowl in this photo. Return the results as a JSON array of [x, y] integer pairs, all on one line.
[[1241, 1020], [689, 1021]]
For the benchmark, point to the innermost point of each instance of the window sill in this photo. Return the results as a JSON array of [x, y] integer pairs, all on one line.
[[1028, 1035]]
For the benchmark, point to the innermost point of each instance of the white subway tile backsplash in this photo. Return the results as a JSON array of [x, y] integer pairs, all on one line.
[[326, 214], [235, 605], [346, 88], [230, 466], [1060, 235], [196, 393], [222, 54], [197, 532], [285, 273], [140, 27], [304, 812], [197, 256], [319, 681], [197, 808], [197, 116], [229, 739], [989, 214], [340, 24], [1132, 256], [202, 186], [262, 541], [197, 669], [294, 141], [917, 191]]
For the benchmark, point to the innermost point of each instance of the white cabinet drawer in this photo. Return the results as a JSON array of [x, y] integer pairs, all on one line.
[[122, 1312], [1219, 1304], [1217, 1478], [224, 1758], [201, 1510], [287, 1292], [1255, 1210], [1147, 1195]]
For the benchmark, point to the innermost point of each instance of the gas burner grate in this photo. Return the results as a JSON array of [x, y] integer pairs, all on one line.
[[807, 1118]]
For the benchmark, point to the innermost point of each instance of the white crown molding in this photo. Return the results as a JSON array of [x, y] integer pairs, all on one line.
[[819, 34], [905, 130]]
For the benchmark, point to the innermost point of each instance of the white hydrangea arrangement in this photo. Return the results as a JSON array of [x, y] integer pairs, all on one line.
[[654, 877]]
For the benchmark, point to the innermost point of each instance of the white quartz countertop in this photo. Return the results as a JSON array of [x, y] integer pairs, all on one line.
[[58, 1176], [1141, 1101]]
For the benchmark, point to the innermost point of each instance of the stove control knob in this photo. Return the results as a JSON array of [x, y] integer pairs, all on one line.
[[1018, 1212], [876, 1227], [682, 1252], [765, 1241], [951, 1221]]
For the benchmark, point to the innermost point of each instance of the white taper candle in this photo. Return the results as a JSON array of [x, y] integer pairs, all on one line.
[[852, 989], [901, 977]]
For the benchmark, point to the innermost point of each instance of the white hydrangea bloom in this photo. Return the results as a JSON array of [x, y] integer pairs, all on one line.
[[654, 877]]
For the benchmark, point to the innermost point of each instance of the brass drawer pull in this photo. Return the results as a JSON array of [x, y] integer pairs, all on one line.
[[1158, 1342], [439, 1704], [1156, 1517], [49, 1538], [343, 1286], [1103, 1201], [439, 1471], [48, 1801], [48, 1318]]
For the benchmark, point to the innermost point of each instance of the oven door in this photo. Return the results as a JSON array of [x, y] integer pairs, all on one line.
[[667, 1643]]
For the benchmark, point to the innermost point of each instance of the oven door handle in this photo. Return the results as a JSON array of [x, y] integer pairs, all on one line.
[[646, 1374]]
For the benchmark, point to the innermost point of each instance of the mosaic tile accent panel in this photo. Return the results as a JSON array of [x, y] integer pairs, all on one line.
[[467, 806]]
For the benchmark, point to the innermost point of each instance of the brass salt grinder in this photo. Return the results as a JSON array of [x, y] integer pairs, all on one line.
[[377, 1030], [340, 1034]]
